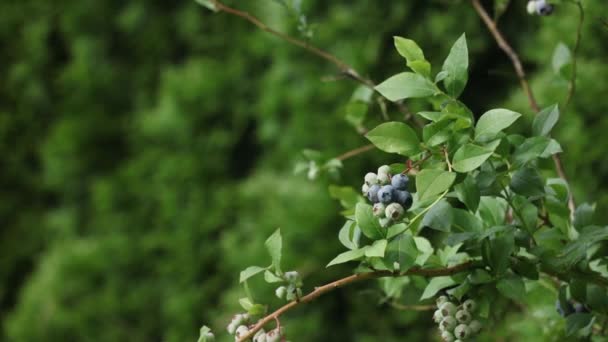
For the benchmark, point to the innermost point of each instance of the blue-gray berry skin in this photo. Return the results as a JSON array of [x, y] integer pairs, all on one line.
[[544, 8], [400, 182], [385, 195], [404, 198], [372, 193], [563, 310], [580, 308]]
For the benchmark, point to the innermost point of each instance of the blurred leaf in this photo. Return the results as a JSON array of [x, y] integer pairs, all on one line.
[[492, 210], [432, 182], [512, 287], [496, 252], [500, 6], [577, 322], [494, 121], [576, 250], [250, 272], [545, 120], [435, 285], [395, 230], [270, 277], [414, 56], [274, 244], [406, 85], [583, 216], [347, 196], [425, 250], [205, 335], [208, 3], [562, 57], [377, 249], [395, 137], [456, 65], [527, 182]]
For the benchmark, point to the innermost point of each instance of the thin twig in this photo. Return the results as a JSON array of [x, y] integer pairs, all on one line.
[[577, 43], [344, 68], [319, 291], [355, 152], [404, 307], [519, 70]]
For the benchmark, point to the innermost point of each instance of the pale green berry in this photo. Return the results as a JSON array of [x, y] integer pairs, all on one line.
[[462, 331], [437, 316], [313, 171], [280, 292], [457, 340], [260, 336], [463, 316], [274, 335], [292, 276], [447, 336], [469, 305], [448, 309], [364, 189], [384, 169], [531, 8], [241, 331], [440, 300], [371, 178], [231, 328], [379, 210], [394, 211], [383, 178], [475, 326], [448, 323]]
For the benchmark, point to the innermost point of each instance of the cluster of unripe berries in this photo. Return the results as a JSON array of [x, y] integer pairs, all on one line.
[[388, 193], [239, 327], [293, 288], [456, 323], [540, 7]]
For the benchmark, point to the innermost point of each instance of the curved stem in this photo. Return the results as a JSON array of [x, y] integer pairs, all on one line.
[[577, 43], [519, 70], [321, 290]]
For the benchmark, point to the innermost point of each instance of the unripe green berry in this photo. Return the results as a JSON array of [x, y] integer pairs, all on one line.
[[440, 300], [231, 328], [531, 7], [313, 171], [469, 305], [437, 316], [371, 178], [365, 189], [280, 292], [274, 335], [448, 323], [292, 276], [383, 179], [448, 309], [462, 331], [463, 316], [394, 211], [379, 210], [241, 331], [447, 336], [260, 336], [475, 326], [384, 169]]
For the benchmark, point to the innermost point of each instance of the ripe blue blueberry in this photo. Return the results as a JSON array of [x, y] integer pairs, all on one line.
[[404, 198], [400, 182], [372, 193], [543, 8], [580, 308], [385, 194]]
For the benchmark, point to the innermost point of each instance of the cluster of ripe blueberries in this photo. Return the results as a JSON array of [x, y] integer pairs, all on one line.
[[388, 193], [456, 323], [540, 7]]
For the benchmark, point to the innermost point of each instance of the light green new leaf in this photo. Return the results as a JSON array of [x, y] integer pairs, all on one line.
[[494, 121], [207, 3], [512, 287], [437, 133], [545, 120], [469, 157], [425, 250], [395, 230], [377, 249], [348, 256], [535, 147], [413, 55], [456, 65], [274, 244], [561, 57], [250, 272], [270, 277], [395, 137], [432, 182], [368, 223], [435, 285], [349, 235], [206, 335], [407, 85]]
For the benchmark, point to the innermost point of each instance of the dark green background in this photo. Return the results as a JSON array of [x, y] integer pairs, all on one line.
[[147, 151]]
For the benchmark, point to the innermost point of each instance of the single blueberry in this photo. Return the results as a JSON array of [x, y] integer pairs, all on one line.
[[404, 198], [400, 181], [385, 195], [372, 193]]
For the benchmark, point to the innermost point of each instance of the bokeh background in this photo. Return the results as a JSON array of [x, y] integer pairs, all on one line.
[[147, 150]]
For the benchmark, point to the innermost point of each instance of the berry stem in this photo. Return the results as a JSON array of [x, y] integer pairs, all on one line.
[[355, 152]]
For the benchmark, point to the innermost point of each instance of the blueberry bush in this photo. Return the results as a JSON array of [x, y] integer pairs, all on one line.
[[473, 214]]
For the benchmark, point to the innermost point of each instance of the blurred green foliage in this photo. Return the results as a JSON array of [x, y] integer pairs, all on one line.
[[148, 151]]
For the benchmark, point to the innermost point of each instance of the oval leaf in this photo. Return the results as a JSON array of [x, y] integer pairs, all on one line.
[[432, 182], [469, 157], [406, 85], [367, 222], [395, 137], [494, 121]]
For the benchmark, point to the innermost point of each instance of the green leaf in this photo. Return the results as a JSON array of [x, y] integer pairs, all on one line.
[[456, 65], [479, 276], [349, 235], [527, 182], [347, 196], [576, 250], [562, 57], [469, 157], [208, 3], [496, 252], [407, 85], [464, 221], [356, 112], [535, 147], [494, 121], [246, 303], [492, 210], [512, 287], [437, 133], [583, 215], [426, 250], [432, 116], [545, 120], [274, 244], [206, 335], [577, 322], [525, 268], [270, 277], [367, 222], [348, 256], [432, 182], [250, 272], [435, 285], [439, 217], [402, 250], [468, 192], [500, 6], [395, 137], [395, 230], [377, 249], [413, 55]]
